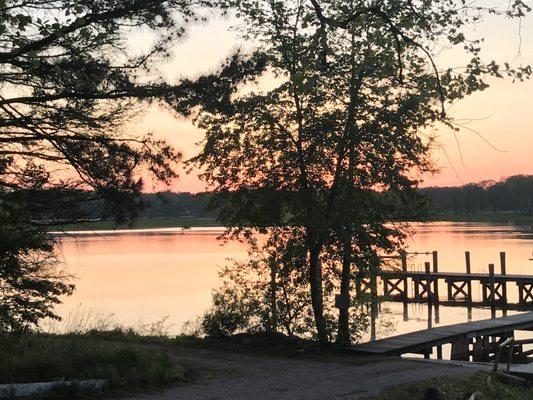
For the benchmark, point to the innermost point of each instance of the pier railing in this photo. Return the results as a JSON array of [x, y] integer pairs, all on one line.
[[497, 289]]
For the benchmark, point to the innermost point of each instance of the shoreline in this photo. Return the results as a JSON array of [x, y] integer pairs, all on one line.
[[207, 224]]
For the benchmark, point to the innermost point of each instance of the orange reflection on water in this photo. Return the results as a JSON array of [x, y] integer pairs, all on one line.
[[143, 276]]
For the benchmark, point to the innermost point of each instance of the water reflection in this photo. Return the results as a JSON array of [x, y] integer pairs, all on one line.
[[145, 275]]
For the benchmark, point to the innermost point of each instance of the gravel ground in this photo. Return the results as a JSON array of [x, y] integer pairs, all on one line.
[[230, 376]]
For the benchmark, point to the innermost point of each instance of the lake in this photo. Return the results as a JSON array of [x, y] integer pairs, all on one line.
[[140, 276]]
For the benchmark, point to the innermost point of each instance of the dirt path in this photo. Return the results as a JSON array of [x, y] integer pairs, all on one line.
[[252, 377]]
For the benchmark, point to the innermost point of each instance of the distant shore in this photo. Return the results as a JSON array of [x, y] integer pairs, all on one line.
[[142, 223], [195, 222], [495, 217]]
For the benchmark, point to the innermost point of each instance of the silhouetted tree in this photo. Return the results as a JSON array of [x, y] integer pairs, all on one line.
[[69, 80], [356, 85]]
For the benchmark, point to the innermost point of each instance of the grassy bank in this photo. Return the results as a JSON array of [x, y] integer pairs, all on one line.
[[124, 362], [142, 223], [461, 388]]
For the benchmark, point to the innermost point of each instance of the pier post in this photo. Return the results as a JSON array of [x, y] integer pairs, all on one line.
[[469, 285], [429, 295], [503, 267], [403, 256], [491, 291], [374, 302], [436, 286], [468, 271], [460, 349]]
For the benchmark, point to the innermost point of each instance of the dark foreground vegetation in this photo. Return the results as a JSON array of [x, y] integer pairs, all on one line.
[[125, 360], [482, 385], [132, 362]]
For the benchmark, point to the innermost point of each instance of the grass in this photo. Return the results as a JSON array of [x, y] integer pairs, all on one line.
[[125, 364], [142, 223], [461, 388]]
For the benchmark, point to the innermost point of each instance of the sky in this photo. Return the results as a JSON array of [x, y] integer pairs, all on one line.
[[497, 140]]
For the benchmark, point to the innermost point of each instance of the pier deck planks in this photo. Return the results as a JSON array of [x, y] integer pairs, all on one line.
[[420, 341]]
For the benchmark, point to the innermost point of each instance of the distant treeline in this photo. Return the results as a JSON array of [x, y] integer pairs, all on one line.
[[169, 204], [511, 194]]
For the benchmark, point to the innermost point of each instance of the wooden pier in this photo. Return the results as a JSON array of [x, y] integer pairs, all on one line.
[[495, 287], [475, 341]]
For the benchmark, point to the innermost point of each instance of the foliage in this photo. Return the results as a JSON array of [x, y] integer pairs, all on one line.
[[69, 81], [461, 388], [42, 358], [269, 294], [356, 90]]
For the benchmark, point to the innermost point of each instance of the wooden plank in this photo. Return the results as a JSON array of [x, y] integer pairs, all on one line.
[[426, 339], [457, 275]]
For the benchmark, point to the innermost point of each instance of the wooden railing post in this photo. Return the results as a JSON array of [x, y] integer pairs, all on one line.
[[403, 256], [374, 301], [468, 271], [436, 286], [429, 294], [503, 268], [469, 286], [436, 270], [491, 291]]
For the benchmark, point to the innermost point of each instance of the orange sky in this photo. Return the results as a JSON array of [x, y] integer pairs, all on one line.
[[503, 114]]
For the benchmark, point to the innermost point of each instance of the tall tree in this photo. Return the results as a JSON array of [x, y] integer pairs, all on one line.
[[334, 149], [69, 80]]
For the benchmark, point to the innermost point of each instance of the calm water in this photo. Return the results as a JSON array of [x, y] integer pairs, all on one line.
[[142, 276]]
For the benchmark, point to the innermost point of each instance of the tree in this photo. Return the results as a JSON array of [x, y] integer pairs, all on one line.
[[268, 293], [69, 81], [334, 149]]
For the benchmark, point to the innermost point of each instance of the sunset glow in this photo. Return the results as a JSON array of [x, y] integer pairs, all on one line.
[[495, 143]]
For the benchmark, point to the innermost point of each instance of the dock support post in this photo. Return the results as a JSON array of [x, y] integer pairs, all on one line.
[[436, 287], [439, 352], [491, 291], [427, 268], [436, 269], [503, 267], [469, 285], [374, 302], [403, 256], [460, 351], [429, 294], [468, 271]]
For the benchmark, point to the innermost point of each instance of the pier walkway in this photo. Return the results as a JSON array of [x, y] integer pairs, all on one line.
[[461, 336]]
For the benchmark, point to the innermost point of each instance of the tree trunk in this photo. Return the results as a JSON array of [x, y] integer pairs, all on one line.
[[343, 332], [317, 297], [273, 304]]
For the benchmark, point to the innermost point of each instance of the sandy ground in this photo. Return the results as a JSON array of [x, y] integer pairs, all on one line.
[[252, 377]]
